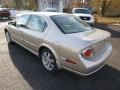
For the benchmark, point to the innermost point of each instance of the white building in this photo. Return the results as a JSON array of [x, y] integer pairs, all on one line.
[[58, 4]]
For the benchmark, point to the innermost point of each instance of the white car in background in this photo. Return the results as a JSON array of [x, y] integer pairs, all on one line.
[[50, 10], [84, 14]]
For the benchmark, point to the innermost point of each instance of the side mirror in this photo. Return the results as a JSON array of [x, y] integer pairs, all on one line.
[[12, 23]]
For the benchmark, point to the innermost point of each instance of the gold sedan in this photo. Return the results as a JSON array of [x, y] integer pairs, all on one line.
[[61, 41]]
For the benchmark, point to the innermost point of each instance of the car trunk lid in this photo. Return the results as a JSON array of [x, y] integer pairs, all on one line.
[[97, 38]]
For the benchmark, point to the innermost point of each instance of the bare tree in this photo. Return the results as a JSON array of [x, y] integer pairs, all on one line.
[[18, 3], [104, 5]]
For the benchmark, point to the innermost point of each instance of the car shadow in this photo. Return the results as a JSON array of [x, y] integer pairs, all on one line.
[[31, 68], [111, 29]]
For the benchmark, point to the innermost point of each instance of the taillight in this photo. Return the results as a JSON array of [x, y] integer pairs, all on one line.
[[88, 52]]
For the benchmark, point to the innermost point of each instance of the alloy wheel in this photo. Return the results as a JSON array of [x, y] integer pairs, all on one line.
[[48, 60]]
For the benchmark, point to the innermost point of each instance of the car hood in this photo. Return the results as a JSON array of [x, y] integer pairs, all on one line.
[[84, 15]]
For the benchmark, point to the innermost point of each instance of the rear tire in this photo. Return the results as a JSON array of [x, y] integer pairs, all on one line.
[[48, 60]]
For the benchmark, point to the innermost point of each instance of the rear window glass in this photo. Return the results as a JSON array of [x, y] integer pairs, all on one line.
[[70, 24]]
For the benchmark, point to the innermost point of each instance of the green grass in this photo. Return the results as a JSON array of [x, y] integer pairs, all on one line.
[[107, 20]]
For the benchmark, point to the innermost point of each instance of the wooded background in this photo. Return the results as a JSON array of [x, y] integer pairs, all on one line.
[[102, 7]]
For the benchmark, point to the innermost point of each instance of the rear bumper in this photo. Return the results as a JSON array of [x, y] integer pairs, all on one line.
[[4, 14], [90, 67], [93, 66]]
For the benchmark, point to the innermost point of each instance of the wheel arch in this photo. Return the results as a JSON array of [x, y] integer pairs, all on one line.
[[45, 46]]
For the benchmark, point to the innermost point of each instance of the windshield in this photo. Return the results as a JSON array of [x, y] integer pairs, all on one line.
[[84, 11], [2, 9], [70, 24], [51, 10]]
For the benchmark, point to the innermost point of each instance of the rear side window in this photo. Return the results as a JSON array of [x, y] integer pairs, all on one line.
[[37, 23]]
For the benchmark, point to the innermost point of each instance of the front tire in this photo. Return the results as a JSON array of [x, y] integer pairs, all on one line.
[[8, 38], [48, 60]]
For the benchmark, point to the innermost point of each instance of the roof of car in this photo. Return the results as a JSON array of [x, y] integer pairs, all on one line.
[[47, 13], [80, 8], [3, 8], [50, 9]]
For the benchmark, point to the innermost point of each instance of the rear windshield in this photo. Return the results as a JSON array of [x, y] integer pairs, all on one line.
[[70, 24], [84, 11]]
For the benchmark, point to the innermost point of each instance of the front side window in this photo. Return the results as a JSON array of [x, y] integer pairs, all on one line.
[[22, 20], [70, 24], [36, 23]]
